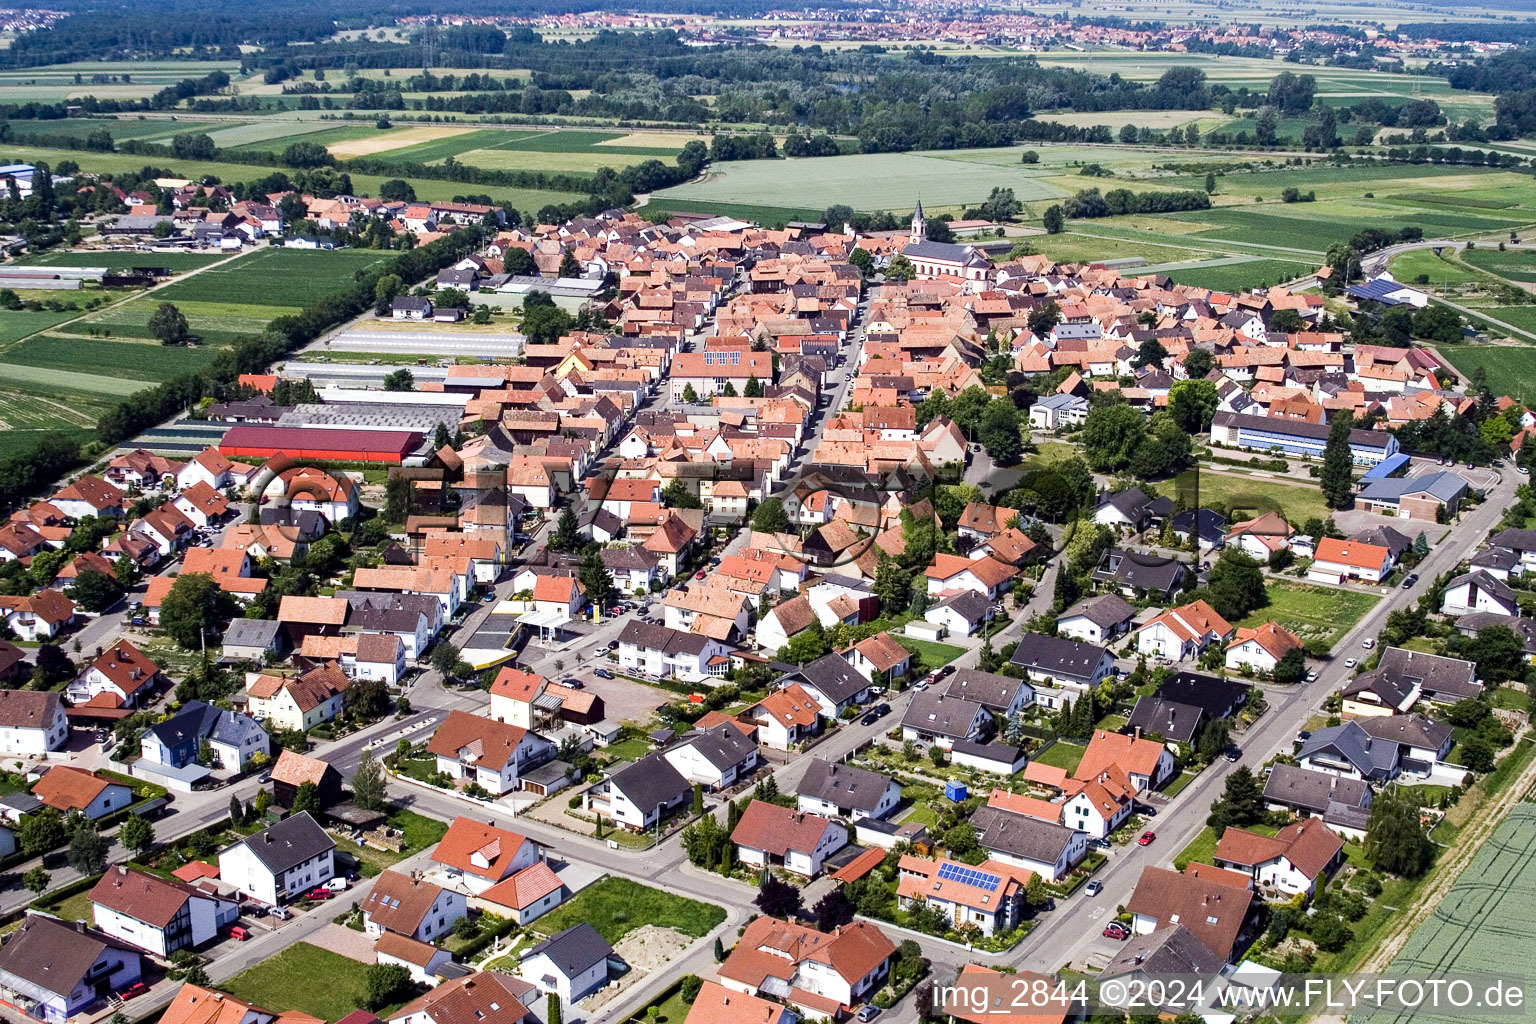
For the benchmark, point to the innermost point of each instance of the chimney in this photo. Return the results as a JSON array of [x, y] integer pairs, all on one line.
[[1138, 732]]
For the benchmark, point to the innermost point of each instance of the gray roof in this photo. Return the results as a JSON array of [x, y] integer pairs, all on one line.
[[1495, 558], [1166, 718], [843, 784], [1372, 758], [1490, 585], [925, 249], [1019, 835], [199, 721], [1314, 791], [1393, 691], [970, 605], [1060, 402], [1386, 537], [1216, 697], [1436, 674], [574, 950], [1173, 950], [1103, 611], [942, 715], [1412, 730], [1213, 525], [1443, 486], [634, 557], [288, 843], [650, 782], [1057, 655], [1000, 752], [831, 675], [1133, 503], [1514, 540], [251, 633], [1142, 572], [661, 638], [723, 746], [1298, 428], [1525, 629], [990, 690]]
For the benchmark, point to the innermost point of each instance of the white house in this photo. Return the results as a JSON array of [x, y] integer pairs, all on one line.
[[32, 722], [1182, 632], [1290, 863], [662, 652], [639, 794], [281, 862], [768, 834], [480, 750], [836, 790], [987, 576], [1260, 649], [1096, 620], [68, 789], [1477, 591], [412, 907], [476, 857], [572, 964], [298, 703], [1044, 847], [715, 758], [817, 973], [1337, 560], [156, 914]]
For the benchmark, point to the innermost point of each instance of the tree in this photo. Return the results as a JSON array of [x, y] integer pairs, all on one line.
[[569, 266], [1043, 319], [999, 432], [384, 984], [1030, 157], [1498, 652], [1291, 667], [900, 268], [236, 811], [1035, 893], [753, 388], [892, 584], [1215, 736], [1241, 803], [770, 517], [399, 497], [1150, 353], [193, 607], [596, 579], [677, 494], [400, 380], [307, 154], [690, 396], [87, 851], [778, 898], [567, 535], [1054, 220], [833, 910], [1192, 404], [1198, 363], [688, 988], [368, 783], [1111, 435], [959, 841], [1336, 477], [445, 657], [37, 880], [305, 798], [1236, 584], [397, 190], [1395, 840], [95, 591], [552, 1009], [1210, 183], [167, 324], [863, 260], [41, 831]]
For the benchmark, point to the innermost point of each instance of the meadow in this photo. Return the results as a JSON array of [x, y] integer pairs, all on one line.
[[1242, 496], [121, 128], [297, 276], [123, 259], [1239, 276], [1514, 264], [1319, 615]]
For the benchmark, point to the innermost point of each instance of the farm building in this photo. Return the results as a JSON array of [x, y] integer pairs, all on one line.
[[320, 444]]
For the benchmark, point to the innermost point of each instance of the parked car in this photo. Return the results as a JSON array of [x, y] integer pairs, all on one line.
[[337, 885], [869, 1012], [1116, 930], [1233, 754], [1093, 888], [281, 913], [573, 683], [133, 991], [1413, 578], [1312, 676], [946, 672], [238, 933], [602, 673], [701, 574], [265, 778], [320, 892], [1349, 663], [1368, 643], [1101, 844], [1147, 838]]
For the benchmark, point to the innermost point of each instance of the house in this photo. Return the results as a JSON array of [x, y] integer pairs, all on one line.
[[820, 974], [671, 653], [1335, 561], [158, 915], [251, 640], [639, 795], [1056, 661], [785, 717], [297, 702], [1261, 648], [66, 788], [529, 700], [988, 896], [1055, 1007], [879, 658], [716, 1004], [1138, 575], [484, 997], [1168, 719], [633, 567], [799, 841], [1182, 632], [52, 971], [281, 862], [294, 769], [1209, 526], [118, 674], [526, 896], [422, 962], [999, 694], [836, 790], [410, 307], [40, 617], [32, 722], [88, 497], [961, 614], [174, 749], [1099, 805], [1477, 591], [1430, 497], [476, 857], [832, 682], [1047, 848], [1158, 955], [934, 718], [1052, 412], [1350, 751], [1217, 698], [1344, 805], [1261, 536], [1290, 863], [410, 906], [1146, 764], [1377, 693], [716, 758], [477, 750], [1096, 620], [784, 621], [572, 964], [986, 575], [1212, 910], [1131, 510], [1441, 680], [1422, 742]]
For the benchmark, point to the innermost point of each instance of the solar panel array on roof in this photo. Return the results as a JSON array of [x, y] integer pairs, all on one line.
[[969, 876]]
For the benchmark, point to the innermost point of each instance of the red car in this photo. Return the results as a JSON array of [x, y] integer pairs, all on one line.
[[239, 934], [138, 988], [321, 893], [1116, 930], [701, 574], [1146, 838]]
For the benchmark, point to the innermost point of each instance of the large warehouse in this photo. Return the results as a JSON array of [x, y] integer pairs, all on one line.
[[326, 444]]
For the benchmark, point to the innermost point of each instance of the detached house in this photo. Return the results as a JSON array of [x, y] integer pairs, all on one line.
[[59, 970], [1335, 561], [40, 617], [156, 914], [717, 757], [834, 789], [280, 862], [1145, 763], [1261, 649], [412, 907], [1183, 632], [32, 722], [115, 678], [477, 857], [1290, 863], [66, 788], [989, 895], [986, 575], [786, 717], [638, 795], [820, 974], [474, 749], [768, 834], [1055, 661], [298, 702], [832, 682], [879, 658]]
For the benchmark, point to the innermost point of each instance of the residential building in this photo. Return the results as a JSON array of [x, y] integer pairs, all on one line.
[[174, 749], [526, 896], [1344, 805], [1057, 661], [32, 722], [1290, 863], [999, 694], [836, 790], [1477, 591], [986, 575], [671, 653], [1138, 575], [1441, 680], [831, 682], [879, 658], [473, 749], [639, 795], [1261, 648], [571, 964], [1168, 719], [66, 788], [798, 841], [1335, 561], [298, 703], [52, 971], [786, 717], [1047, 848], [281, 862], [114, 678], [937, 719], [1182, 632], [820, 974], [1147, 764], [158, 915], [410, 906], [717, 757], [1212, 910], [1096, 620], [716, 1004], [988, 896], [484, 997], [475, 856]]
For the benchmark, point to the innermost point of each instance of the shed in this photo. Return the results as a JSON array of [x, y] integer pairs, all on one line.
[[954, 791]]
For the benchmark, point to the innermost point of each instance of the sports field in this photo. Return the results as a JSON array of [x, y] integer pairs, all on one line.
[[1483, 921]]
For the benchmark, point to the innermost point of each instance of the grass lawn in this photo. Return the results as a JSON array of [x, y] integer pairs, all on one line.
[[74, 908], [631, 749], [1317, 614], [419, 832], [1245, 496], [1179, 784], [617, 906], [1202, 848], [932, 655], [291, 980], [1410, 265], [1508, 697], [1063, 755]]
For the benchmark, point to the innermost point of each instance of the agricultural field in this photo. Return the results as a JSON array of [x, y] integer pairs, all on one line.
[[1319, 615], [1437, 271], [150, 361], [122, 259], [273, 136], [1238, 275], [57, 82], [297, 276], [122, 129], [1512, 366], [18, 324], [1514, 264]]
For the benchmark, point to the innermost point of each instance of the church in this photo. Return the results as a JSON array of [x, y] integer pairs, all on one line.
[[941, 259]]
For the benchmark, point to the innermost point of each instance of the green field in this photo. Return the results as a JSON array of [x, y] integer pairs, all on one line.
[[122, 259], [1063, 755], [1515, 264], [121, 129], [1246, 496], [17, 324], [1438, 270], [933, 655], [1319, 615], [1239, 276], [296, 276], [136, 362], [289, 981], [275, 136], [214, 323], [616, 906], [1512, 366], [1475, 926]]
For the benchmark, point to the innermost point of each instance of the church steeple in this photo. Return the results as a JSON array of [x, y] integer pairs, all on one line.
[[919, 225]]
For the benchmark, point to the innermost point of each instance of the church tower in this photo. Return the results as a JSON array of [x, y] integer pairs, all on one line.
[[919, 225]]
